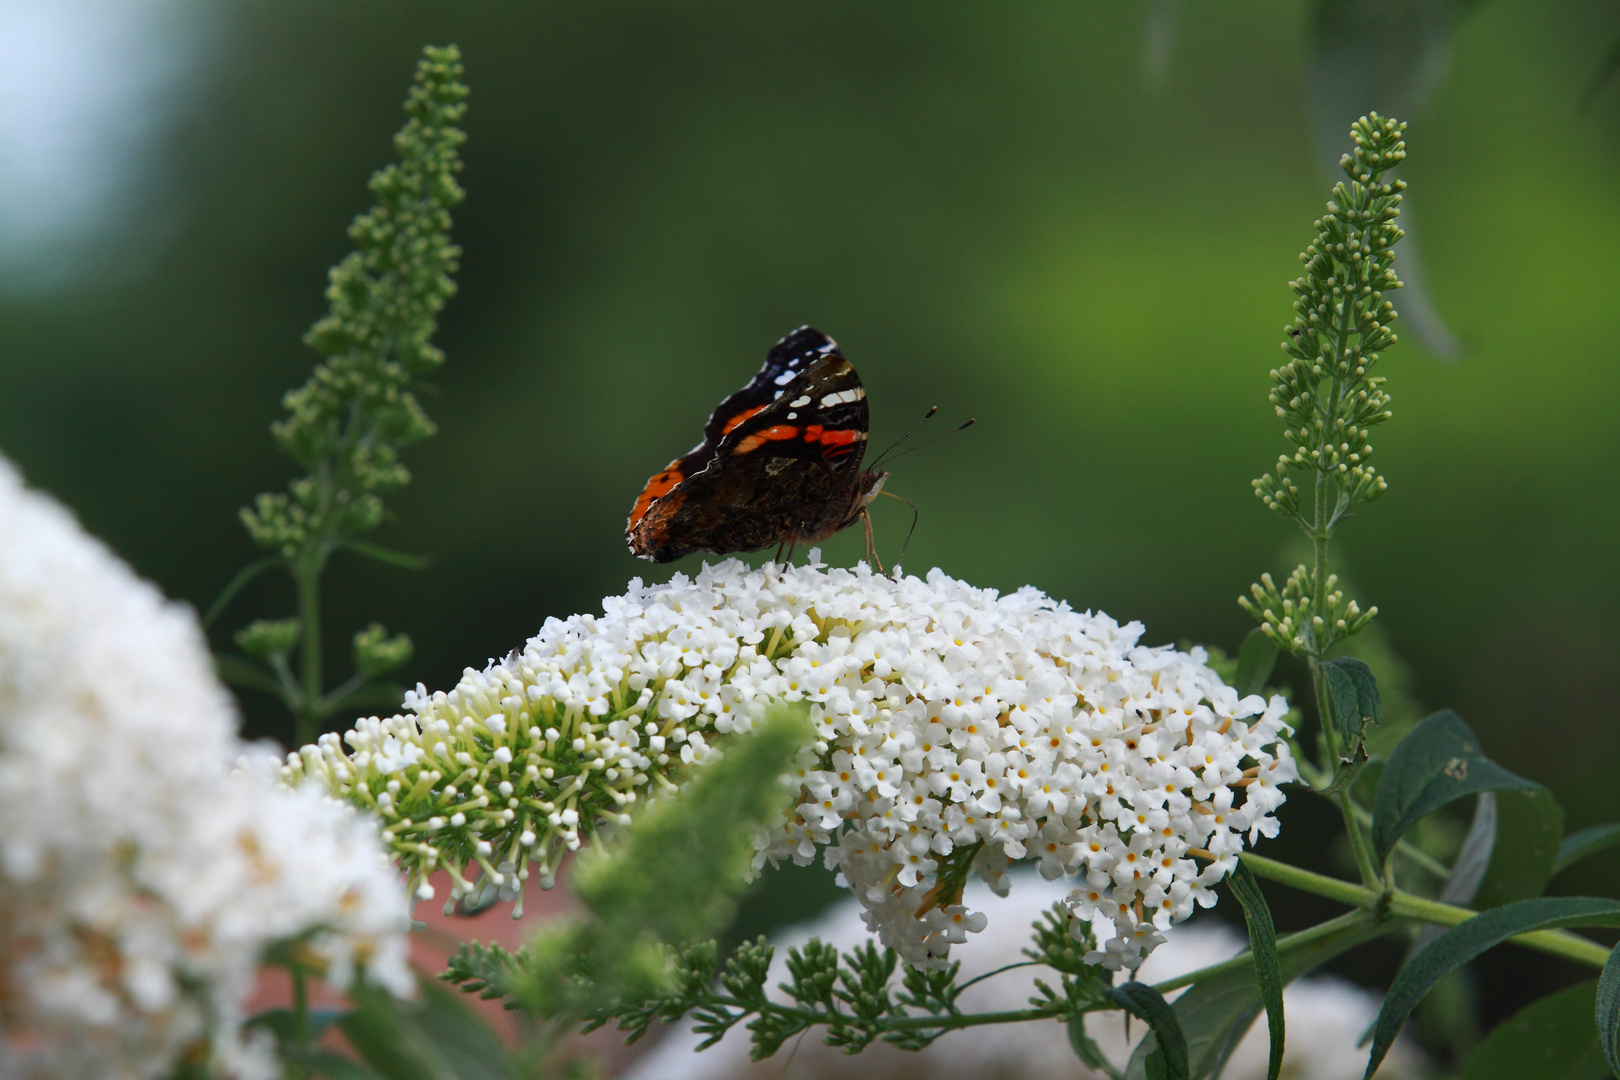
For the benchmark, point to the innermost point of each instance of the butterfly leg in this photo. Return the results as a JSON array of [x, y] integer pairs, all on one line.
[[871, 543], [779, 549], [793, 545]]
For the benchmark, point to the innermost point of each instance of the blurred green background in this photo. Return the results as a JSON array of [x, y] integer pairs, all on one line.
[[1074, 222]]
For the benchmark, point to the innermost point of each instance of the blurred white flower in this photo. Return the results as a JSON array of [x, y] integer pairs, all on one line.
[[1326, 1015], [958, 730], [141, 874]]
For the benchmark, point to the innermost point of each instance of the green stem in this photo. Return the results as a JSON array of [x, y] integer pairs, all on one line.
[[308, 577], [1333, 888], [1403, 905], [1319, 779], [1556, 942], [1245, 959], [300, 1005]]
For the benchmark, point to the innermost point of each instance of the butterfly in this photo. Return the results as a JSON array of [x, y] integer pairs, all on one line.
[[780, 462]]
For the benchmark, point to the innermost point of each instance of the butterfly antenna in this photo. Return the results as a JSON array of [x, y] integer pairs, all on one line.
[[906, 436], [915, 515], [930, 442]]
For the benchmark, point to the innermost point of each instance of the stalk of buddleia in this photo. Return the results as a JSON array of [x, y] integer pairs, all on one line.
[[348, 423], [1329, 400]]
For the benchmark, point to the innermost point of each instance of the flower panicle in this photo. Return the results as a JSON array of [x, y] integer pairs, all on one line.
[[1325, 393], [348, 422], [954, 730]]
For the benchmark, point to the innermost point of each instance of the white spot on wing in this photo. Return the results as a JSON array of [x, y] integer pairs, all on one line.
[[800, 402], [843, 397], [786, 377]]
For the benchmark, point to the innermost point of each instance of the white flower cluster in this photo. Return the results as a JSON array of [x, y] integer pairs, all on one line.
[[958, 730], [141, 874]]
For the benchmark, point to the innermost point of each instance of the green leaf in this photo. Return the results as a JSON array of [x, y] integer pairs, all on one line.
[[1352, 698], [1467, 940], [1216, 1011], [388, 555], [436, 1037], [1607, 1008], [1257, 656], [1529, 824], [237, 583], [1550, 1039], [1439, 762], [1087, 1050], [1473, 860], [240, 671], [1263, 946], [1587, 841], [1168, 1056], [327, 1064]]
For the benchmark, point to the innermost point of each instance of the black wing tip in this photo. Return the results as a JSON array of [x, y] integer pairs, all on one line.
[[806, 339]]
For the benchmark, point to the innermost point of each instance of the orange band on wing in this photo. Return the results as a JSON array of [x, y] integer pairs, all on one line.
[[774, 433], [739, 418], [656, 488]]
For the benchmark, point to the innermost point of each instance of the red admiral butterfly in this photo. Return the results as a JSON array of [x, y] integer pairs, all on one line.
[[780, 462]]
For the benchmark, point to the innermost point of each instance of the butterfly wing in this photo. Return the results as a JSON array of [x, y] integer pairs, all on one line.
[[787, 360], [787, 470]]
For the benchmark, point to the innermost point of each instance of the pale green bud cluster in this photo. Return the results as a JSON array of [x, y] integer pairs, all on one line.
[[349, 421], [1287, 617], [1324, 393]]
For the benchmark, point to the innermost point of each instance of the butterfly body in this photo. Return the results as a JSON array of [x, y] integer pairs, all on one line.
[[780, 462]]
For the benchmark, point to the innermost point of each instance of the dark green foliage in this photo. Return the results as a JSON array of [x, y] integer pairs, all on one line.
[[1440, 761], [1607, 1009], [1585, 842], [1167, 1058], [1467, 940], [435, 1037], [1529, 824], [1550, 1039]]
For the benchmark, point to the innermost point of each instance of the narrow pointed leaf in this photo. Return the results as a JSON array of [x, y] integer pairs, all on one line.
[[1146, 1003], [240, 671], [1353, 698], [237, 583], [1467, 940], [1216, 1011], [1263, 946], [388, 555], [1086, 1048], [1608, 1011], [1529, 824], [326, 1064], [1588, 841], [435, 1037], [1257, 657], [1439, 762], [1550, 1039]]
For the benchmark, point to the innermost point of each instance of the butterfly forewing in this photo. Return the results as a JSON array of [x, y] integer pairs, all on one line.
[[788, 359], [779, 463]]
